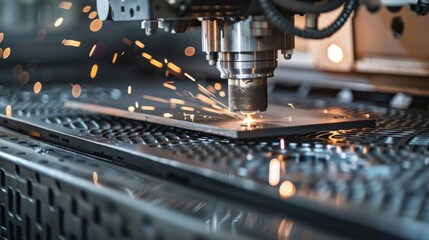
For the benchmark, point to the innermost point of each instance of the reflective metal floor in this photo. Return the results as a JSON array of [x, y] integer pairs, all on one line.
[[372, 181]]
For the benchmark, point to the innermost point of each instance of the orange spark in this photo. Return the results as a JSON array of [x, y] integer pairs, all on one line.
[[92, 15], [8, 110], [65, 5], [147, 56], [37, 87], [86, 9], [218, 86], [177, 101], [156, 63], [71, 43], [147, 108], [287, 189], [95, 180], [6, 53], [115, 57], [139, 44], [94, 71], [185, 108], [189, 51], [169, 86], [96, 25], [76, 91], [174, 67]]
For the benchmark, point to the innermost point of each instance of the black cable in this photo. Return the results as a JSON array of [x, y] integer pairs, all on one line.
[[281, 22], [300, 6]]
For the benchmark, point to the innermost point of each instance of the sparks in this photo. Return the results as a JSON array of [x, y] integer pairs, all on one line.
[[76, 91], [6, 53], [205, 99], [189, 51], [8, 110], [92, 15], [147, 108], [169, 86], [156, 63], [139, 44], [274, 172], [174, 67], [92, 50], [37, 87], [218, 86], [96, 25], [248, 119], [185, 108], [65, 5], [95, 180], [71, 43], [291, 105], [86, 9], [287, 189], [115, 57], [147, 56], [58, 22], [177, 101], [94, 71], [190, 77]]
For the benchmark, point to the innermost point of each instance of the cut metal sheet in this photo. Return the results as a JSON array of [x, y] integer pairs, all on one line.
[[276, 121]]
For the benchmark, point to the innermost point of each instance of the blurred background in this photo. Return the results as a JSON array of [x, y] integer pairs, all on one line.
[[381, 49]]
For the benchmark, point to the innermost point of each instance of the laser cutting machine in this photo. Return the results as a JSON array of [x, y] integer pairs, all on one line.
[[115, 122], [242, 38]]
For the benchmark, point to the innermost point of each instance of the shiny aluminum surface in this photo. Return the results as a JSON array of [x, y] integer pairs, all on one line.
[[276, 121]]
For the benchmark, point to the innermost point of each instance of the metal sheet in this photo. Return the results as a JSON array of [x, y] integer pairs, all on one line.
[[276, 121]]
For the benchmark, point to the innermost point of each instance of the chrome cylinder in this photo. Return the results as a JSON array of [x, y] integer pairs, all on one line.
[[247, 95]]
